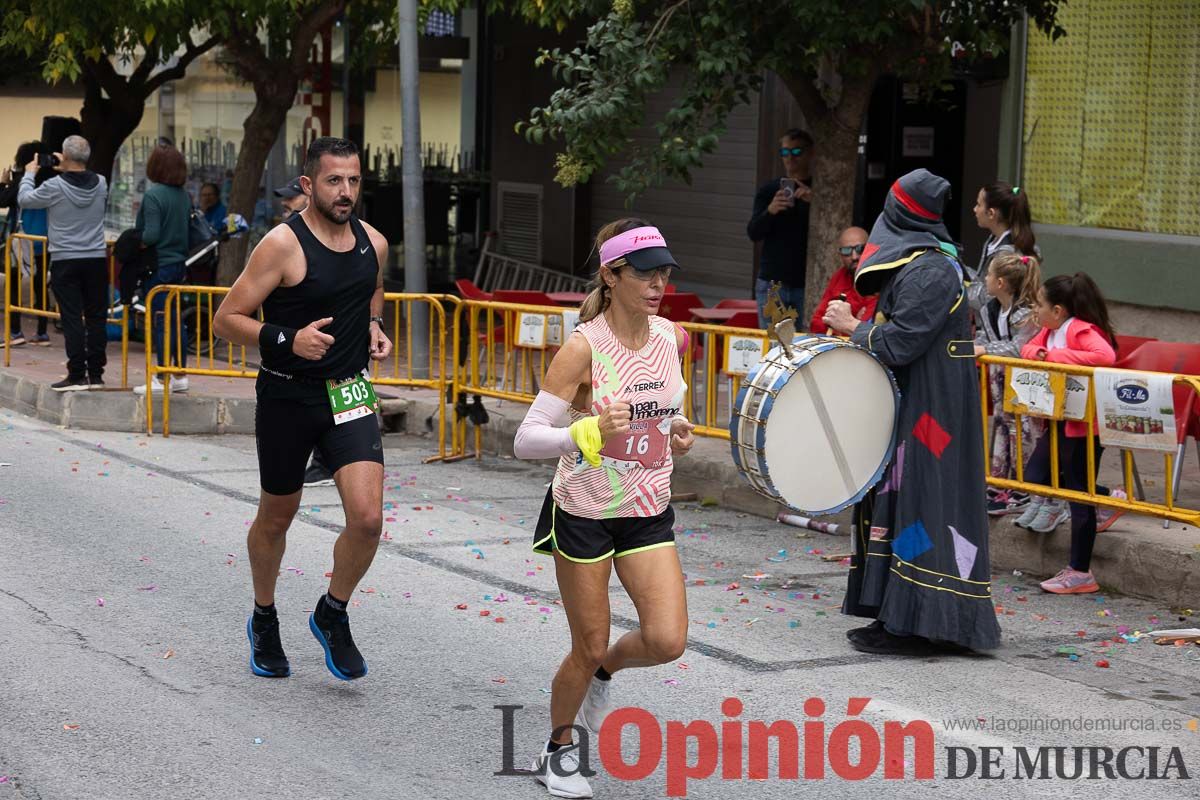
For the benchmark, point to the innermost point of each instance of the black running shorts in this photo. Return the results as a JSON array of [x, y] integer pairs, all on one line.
[[587, 540], [286, 431]]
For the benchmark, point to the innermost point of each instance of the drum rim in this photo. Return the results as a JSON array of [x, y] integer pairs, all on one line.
[[760, 443]]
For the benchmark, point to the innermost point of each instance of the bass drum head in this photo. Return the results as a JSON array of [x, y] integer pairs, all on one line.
[[830, 430]]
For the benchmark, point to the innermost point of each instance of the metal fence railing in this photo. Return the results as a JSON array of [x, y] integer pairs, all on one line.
[[22, 252], [1167, 509]]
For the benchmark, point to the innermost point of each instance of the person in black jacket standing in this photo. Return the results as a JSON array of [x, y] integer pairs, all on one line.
[[780, 222], [10, 184]]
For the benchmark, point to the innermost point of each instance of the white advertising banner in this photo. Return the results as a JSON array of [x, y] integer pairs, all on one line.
[[1135, 410]]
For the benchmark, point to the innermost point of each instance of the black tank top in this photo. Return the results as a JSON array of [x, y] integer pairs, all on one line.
[[337, 285]]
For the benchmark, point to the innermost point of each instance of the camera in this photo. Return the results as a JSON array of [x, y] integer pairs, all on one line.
[[47, 160]]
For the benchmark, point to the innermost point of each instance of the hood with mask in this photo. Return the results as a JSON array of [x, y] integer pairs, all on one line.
[[911, 224]]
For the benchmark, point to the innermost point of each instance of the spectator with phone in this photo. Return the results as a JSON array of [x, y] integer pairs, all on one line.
[[74, 200], [780, 221], [33, 222]]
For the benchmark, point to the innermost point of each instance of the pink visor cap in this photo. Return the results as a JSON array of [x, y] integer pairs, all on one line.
[[644, 249]]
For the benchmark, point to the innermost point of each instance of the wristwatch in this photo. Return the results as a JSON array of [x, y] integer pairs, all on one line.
[[378, 319]]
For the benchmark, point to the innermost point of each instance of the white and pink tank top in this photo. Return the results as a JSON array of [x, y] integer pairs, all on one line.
[[634, 476]]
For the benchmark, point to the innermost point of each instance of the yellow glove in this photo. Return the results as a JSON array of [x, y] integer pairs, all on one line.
[[586, 434]]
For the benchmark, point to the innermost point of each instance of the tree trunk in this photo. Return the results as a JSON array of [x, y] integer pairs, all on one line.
[[107, 122], [260, 130], [835, 162]]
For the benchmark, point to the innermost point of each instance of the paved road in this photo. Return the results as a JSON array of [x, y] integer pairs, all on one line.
[[147, 694]]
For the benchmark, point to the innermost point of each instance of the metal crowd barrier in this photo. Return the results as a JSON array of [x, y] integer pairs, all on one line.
[[1165, 510], [20, 253], [504, 355], [195, 306]]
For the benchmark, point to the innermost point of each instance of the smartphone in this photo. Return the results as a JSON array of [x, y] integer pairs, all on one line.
[[47, 160], [789, 187]]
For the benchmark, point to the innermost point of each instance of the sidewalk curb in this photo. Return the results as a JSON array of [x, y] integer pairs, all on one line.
[[1124, 561]]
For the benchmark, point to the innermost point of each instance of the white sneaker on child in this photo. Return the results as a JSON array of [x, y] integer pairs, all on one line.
[[1031, 512], [1052, 514]]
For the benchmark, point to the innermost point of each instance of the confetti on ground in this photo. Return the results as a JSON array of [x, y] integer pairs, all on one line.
[[499, 680], [70, 726], [100, 602], [151, 588], [168, 654], [1102, 663], [258, 740]]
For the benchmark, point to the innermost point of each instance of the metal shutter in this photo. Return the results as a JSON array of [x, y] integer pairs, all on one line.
[[705, 223], [520, 220]]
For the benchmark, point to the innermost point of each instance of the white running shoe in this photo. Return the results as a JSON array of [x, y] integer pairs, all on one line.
[[559, 772], [1031, 512], [156, 387], [1051, 515], [595, 705], [179, 383]]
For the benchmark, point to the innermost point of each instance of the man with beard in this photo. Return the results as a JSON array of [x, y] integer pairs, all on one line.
[[319, 280], [920, 567]]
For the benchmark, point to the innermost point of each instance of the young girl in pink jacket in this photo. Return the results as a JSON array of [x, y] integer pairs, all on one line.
[[1075, 330]]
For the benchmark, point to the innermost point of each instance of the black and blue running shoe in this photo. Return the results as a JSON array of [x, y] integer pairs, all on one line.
[[332, 629], [266, 651]]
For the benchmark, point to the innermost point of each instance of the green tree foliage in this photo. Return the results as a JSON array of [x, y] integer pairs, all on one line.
[[828, 53], [86, 41]]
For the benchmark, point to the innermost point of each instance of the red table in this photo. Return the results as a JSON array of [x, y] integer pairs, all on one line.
[[714, 316], [567, 298]]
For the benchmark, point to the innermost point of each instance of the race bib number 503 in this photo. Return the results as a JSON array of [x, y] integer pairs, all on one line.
[[350, 398]]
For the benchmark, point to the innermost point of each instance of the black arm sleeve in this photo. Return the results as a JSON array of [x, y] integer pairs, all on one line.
[[761, 222]]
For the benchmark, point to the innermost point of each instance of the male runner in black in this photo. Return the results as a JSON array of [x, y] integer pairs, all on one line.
[[319, 280]]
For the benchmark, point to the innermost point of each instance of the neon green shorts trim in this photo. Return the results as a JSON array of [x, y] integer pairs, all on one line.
[[586, 541]]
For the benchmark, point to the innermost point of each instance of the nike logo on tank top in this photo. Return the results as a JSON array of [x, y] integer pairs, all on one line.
[[634, 476], [336, 284]]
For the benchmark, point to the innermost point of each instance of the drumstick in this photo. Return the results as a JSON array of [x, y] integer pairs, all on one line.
[[798, 521], [842, 297]]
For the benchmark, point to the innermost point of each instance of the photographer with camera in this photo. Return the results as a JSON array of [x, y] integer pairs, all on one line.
[[33, 223], [780, 222], [74, 200]]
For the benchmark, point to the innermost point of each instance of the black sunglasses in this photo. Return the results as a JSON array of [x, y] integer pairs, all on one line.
[[792, 151], [856, 249]]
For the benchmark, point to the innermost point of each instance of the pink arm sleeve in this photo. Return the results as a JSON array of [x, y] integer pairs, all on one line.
[[545, 431]]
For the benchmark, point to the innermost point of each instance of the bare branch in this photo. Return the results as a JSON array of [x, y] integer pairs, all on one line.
[[176, 72]]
